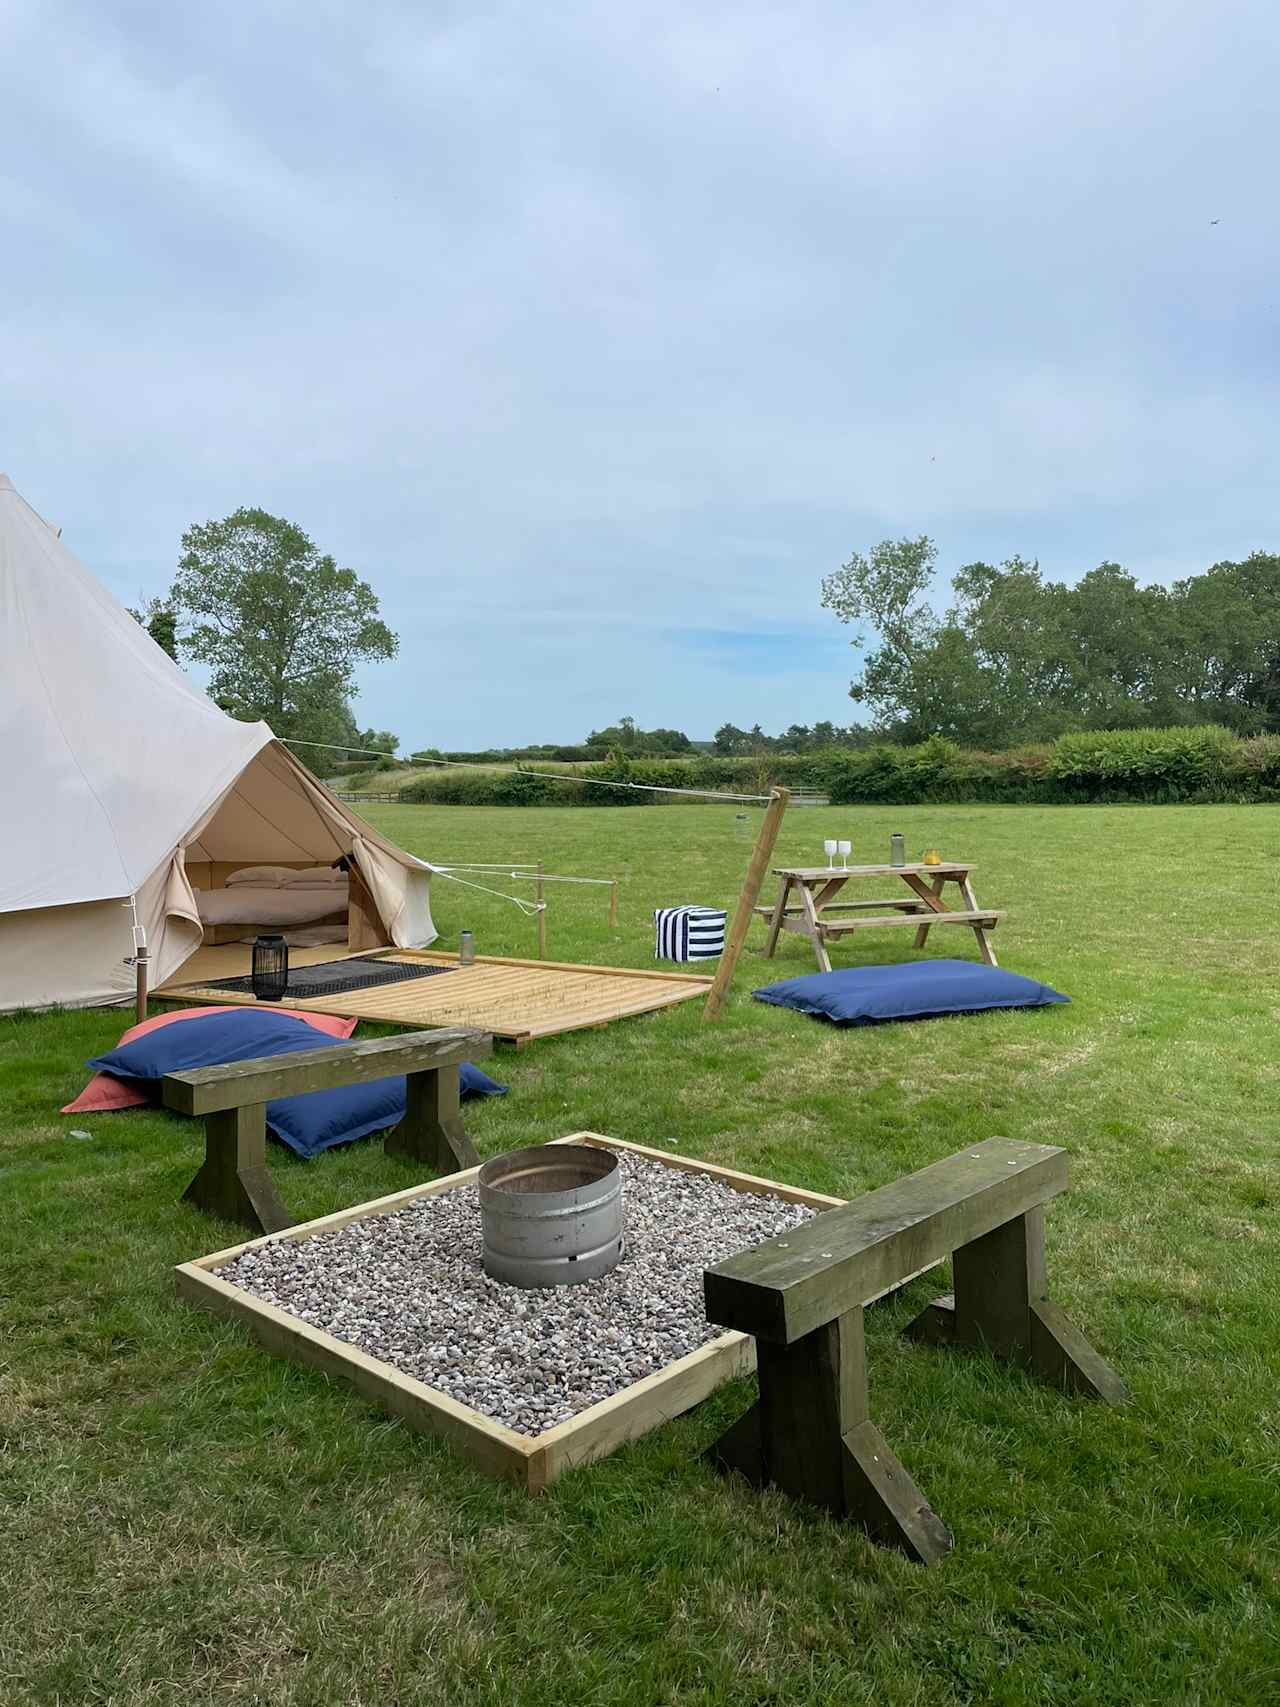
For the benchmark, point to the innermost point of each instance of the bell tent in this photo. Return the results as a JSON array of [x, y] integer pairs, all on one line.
[[128, 788]]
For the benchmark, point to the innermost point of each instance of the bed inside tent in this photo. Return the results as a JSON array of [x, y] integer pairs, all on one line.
[[270, 858]]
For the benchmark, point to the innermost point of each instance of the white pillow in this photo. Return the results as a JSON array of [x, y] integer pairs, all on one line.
[[315, 877], [263, 876]]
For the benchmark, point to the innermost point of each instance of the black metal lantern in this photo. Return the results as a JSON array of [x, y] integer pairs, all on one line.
[[270, 968]]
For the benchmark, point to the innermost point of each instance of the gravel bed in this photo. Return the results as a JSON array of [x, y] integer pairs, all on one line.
[[410, 1289]]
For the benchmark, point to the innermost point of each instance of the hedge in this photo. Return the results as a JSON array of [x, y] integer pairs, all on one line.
[[1198, 764]]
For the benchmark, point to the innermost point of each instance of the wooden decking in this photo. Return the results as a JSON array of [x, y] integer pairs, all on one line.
[[515, 1000]]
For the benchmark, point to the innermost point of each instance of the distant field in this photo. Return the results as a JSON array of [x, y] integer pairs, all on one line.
[[186, 1520], [387, 782]]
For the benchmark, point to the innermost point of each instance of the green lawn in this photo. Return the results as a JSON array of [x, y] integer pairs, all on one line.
[[184, 1520]]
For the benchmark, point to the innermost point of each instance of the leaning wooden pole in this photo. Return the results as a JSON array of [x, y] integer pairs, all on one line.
[[761, 854], [141, 967]]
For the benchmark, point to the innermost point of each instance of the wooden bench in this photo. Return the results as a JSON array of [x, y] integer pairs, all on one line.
[[809, 896], [802, 1296], [234, 1181]]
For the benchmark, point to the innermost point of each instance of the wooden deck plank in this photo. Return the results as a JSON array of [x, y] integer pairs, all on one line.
[[514, 1000]]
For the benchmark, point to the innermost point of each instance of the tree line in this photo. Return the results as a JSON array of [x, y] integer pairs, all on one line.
[[1014, 659], [1017, 658]]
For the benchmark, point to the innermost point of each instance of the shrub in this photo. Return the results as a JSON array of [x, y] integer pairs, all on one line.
[[1147, 764], [1203, 763]]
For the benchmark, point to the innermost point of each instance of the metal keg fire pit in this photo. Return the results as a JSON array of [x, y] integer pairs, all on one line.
[[551, 1215]]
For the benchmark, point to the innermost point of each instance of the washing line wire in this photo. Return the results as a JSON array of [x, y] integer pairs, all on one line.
[[551, 776]]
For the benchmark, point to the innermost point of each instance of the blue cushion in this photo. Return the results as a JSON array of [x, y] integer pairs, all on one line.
[[861, 995], [308, 1123], [317, 1120], [210, 1040]]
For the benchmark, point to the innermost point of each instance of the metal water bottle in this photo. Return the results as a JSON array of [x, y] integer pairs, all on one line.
[[466, 949], [897, 850]]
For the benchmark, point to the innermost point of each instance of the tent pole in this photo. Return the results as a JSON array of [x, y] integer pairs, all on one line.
[[539, 892], [761, 854], [141, 962]]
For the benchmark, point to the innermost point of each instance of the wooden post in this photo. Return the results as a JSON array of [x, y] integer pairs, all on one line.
[[1001, 1305], [613, 904], [761, 854], [431, 1130], [141, 966], [233, 1181], [540, 896], [810, 1435]]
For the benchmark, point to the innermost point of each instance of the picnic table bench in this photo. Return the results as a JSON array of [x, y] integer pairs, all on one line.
[[234, 1180], [807, 898], [802, 1296]]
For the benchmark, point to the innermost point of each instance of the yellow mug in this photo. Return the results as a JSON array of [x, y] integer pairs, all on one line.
[[931, 857]]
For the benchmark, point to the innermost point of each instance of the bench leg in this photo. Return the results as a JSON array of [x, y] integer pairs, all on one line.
[[809, 1434], [776, 922], [431, 1130], [980, 931], [922, 935], [812, 927], [1001, 1304], [234, 1182]]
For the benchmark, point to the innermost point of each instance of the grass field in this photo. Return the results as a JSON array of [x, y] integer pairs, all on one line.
[[187, 1521]]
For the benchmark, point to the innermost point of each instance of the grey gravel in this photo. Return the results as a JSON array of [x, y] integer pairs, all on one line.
[[410, 1289]]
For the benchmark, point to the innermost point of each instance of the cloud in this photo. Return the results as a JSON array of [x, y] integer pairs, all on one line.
[[588, 333]]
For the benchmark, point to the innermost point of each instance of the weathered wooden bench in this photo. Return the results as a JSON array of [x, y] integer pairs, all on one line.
[[802, 1295], [234, 1181]]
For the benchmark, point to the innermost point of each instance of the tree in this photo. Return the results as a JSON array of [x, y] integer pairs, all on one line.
[[730, 740], [625, 737], [621, 734], [1018, 658], [280, 625], [380, 741], [885, 588], [1228, 621], [161, 622], [667, 740], [384, 744]]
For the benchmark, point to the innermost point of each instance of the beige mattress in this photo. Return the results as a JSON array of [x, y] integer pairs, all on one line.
[[245, 904]]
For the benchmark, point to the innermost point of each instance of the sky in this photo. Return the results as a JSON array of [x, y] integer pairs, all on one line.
[[594, 336]]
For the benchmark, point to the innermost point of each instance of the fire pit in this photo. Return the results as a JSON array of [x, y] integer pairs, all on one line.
[[391, 1297], [551, 1215]]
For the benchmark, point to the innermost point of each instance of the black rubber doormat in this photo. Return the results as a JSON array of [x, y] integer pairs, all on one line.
[[337, 977]]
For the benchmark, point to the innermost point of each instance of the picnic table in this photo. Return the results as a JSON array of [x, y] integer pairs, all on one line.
[[807, 898]]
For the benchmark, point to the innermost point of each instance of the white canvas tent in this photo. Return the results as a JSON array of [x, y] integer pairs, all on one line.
[[120, 772]]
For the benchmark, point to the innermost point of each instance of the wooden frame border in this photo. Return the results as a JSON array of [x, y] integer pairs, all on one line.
[[532, 1462]]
